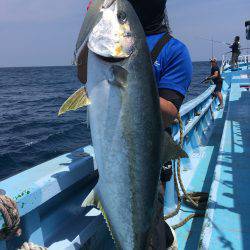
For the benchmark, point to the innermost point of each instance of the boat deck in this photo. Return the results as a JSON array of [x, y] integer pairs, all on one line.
[[198, 178], [227, 224]]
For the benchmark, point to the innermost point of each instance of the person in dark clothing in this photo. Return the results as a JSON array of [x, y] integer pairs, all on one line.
[[173, 73], [235, 52], [172, 67], [216, 78]]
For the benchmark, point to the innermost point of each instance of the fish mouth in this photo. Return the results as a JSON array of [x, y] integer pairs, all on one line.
[[111, 37]]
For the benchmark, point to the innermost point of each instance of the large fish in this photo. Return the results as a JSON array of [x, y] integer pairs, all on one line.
[[129, 142]]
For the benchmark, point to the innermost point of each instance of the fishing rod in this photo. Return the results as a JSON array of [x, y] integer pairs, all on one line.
[[205, 80], [214, 41]]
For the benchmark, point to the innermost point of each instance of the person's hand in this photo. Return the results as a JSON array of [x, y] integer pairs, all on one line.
[[206, 79]]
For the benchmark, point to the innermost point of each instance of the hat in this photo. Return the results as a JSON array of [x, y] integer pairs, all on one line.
[[213, 59]]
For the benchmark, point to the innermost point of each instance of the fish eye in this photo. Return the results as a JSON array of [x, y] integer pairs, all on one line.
[[122, 17]]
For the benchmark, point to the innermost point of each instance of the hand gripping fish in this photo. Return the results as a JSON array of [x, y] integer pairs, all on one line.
[[129, 141]]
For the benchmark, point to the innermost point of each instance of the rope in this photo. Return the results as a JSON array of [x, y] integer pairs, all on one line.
[[183, 222], [31, 246], [187, 195], [198, 200], [11, 227], [176, 211], [9, 211]]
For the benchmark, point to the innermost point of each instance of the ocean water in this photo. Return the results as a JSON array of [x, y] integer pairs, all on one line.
[[30, 130]]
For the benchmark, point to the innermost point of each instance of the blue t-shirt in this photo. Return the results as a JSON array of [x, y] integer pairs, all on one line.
[[173, 67]]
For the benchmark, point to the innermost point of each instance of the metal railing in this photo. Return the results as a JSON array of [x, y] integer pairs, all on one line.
[[243, 59]]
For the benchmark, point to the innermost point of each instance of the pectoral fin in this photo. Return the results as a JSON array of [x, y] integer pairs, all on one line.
[[93, 200], [78, 100], [171, 150], [118, 76]]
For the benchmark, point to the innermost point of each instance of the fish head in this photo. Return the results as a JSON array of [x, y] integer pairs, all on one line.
[[112, 37]]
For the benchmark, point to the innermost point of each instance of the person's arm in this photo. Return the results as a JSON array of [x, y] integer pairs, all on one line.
[[176, 73], [215, 75]]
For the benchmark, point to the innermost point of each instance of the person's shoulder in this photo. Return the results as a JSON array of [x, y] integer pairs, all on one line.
[[177, 45], [176, 48], [152, 40], [176, 54], [154, 37]]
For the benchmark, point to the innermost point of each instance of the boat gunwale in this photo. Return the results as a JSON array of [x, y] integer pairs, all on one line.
[[192, 104]]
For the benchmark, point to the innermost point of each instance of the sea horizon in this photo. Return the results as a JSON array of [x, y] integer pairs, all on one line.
[[47, 66]]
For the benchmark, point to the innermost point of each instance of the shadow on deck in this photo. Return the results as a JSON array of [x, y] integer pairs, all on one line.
[[228, 219], [213, 142]]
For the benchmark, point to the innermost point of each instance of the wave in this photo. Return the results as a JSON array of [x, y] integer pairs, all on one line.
[[30, 131], [42, 148], [8, 166]]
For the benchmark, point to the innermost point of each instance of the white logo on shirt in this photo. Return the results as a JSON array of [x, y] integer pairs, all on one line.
[[157, 64]]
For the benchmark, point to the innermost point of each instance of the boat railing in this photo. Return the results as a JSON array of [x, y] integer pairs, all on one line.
[[51, 193], [194, 111], [243, 59]]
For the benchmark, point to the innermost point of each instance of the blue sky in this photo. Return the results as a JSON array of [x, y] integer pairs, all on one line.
[[43, 32]]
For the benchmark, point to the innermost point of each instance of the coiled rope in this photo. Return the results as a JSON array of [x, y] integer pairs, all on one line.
[[11, 227], [197, 200], [9, 211]]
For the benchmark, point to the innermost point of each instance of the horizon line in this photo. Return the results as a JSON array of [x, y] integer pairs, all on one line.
[[69, 65]]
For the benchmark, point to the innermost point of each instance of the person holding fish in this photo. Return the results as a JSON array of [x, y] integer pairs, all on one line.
[[172, 66], [127, 99], [173, 71]]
